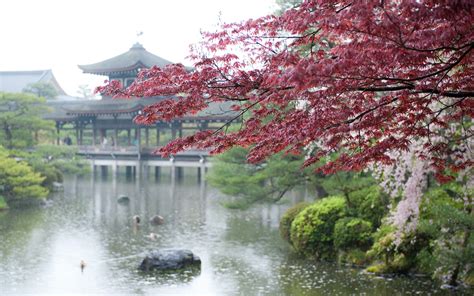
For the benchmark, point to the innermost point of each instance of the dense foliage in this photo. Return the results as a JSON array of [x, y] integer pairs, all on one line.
[[442, 245], [41, 89], [365, 78], [19, 183], [20, 120], [52, 162], [381, 84], [267, 181], [332, 224], [288, 217], [312, 231], [352, 233]]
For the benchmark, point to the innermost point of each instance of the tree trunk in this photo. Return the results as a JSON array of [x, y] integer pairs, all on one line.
[[8, 135]]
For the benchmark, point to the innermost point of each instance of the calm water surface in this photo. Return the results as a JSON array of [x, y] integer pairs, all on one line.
[[241, 251]]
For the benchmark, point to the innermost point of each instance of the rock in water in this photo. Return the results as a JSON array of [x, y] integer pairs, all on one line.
[[157, 220], [57, 186], [123, 199], [169, 260]]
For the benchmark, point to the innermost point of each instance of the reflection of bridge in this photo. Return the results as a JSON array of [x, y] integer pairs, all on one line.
[[138, 161]]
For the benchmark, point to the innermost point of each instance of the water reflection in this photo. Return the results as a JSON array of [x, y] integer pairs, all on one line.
[[241, 251]]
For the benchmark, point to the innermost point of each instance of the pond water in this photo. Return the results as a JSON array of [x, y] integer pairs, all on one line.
[[241, 251]]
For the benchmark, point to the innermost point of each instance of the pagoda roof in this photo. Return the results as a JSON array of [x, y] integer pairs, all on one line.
[[137, 57], [17, 81]]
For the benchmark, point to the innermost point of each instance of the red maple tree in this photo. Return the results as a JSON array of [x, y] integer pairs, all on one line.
[[361, 78]]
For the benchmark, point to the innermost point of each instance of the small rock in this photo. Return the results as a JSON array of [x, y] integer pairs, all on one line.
[[123, 199], [57, 186], [157, 220], [170, 260], [46, 203]]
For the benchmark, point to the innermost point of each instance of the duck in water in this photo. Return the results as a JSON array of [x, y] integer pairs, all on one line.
[[136, 219], [153, 236], [82, 265]]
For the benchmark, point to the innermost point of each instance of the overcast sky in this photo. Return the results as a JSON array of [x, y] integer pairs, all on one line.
[[59, 35]]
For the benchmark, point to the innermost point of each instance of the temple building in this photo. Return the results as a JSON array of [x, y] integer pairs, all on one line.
[[18, 81], [96, 124]]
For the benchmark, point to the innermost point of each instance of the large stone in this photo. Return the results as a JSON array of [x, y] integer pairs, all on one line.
[[170, 260], [157, 220], [123, 199]]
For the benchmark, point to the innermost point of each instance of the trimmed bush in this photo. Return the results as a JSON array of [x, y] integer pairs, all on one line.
[[352, 233], [370, 204], [313, 228], [288, 217]]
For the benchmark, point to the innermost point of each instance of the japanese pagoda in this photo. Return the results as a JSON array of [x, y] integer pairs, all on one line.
[[109, 122]]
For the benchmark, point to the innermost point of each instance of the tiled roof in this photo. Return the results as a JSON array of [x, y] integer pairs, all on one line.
[[16, 81], [137, 57]]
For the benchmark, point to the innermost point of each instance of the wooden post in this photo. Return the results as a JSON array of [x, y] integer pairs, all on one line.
[[94, 136], [81, 134], [77, 134], [115, 137], [128, 135]]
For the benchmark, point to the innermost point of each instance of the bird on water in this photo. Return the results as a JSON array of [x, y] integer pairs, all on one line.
[[82, 265]]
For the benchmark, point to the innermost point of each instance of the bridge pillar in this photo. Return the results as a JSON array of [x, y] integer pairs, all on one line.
[[173, 174], [92, 168], [103, 170], [140, 170], [157, 173], [144, 170], [114, 169], [201, 168], [179, 173], [128, 172]]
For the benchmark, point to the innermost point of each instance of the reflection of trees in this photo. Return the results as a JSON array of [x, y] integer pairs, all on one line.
[[19, 229]]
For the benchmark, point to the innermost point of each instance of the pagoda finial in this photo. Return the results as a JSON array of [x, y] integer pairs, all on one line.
[[139, 33]]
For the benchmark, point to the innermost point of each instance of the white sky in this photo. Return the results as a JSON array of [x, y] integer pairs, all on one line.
[[59, 35]]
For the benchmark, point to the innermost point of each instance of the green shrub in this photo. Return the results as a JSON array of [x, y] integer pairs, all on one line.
[[288, 217], [369, 204], [352, 233], [313, 228], [3, 203]]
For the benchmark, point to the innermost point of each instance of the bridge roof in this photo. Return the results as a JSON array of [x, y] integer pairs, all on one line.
[[128, 108]]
